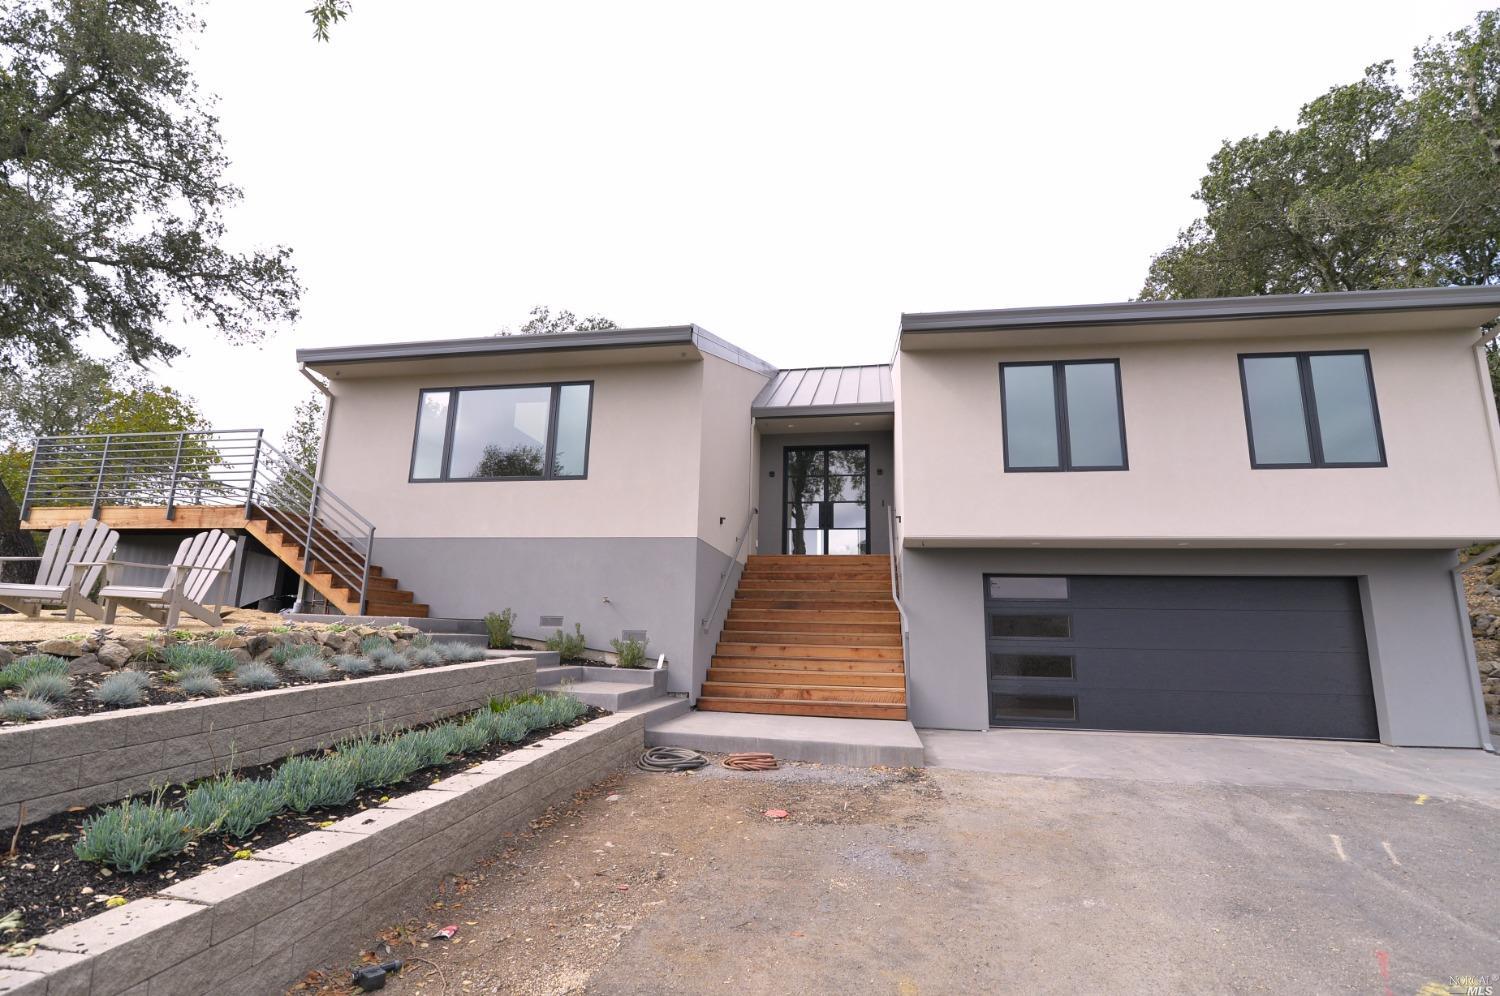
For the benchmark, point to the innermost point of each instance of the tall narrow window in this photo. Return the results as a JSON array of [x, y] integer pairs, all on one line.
[[526, 432], [1063, 416], [1311, 410]]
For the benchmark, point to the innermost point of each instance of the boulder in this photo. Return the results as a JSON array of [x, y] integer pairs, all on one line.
[[86, 664], [113, 654], [241, 656], [6, 657], [60, 648], [260, 644], [231, 642]]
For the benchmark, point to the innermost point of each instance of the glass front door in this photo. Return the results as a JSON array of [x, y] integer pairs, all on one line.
[[827, 499]]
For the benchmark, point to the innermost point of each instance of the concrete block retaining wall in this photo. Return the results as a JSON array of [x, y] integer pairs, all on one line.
[[253, 927], [84, 760]]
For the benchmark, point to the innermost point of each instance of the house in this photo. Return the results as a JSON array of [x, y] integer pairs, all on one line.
[[1217, 516]]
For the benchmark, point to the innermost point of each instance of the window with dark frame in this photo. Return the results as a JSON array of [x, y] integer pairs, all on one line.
[[510, 432], [1314, 409], [1064, 415]]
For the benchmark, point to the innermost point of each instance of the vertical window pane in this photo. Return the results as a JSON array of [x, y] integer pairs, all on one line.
[[569, 456], [1273, 396], [432, 429], [1030, 417], [500, 432], [847, 542], [1346, 409], [1093, 415]]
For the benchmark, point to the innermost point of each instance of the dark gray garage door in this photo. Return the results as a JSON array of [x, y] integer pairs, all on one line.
[[1280, 657]]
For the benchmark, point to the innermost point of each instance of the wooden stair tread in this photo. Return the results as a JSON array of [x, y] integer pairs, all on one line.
[[793, 707]]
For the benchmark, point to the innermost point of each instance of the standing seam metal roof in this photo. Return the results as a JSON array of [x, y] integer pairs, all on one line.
[[814, 390]]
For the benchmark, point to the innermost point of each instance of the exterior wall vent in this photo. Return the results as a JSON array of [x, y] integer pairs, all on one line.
[[638, 635], [552, 620]]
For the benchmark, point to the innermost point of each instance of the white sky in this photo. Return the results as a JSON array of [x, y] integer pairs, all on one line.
[[791, 176]]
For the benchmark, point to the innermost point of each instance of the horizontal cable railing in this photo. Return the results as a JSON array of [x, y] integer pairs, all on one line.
[[220, 468]]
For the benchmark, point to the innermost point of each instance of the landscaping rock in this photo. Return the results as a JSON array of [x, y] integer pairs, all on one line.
[[60, 648], [86, 664], [6, 657], [113, 654], [241, 656], [259, 645], [231, 643]]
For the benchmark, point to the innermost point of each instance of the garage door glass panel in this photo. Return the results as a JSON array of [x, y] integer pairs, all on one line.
[[1037, 627], [1030, 417], [1094, 437], [1047, 708], [1055, 589], [1031, 666], [1346, 408], [1278, 422]]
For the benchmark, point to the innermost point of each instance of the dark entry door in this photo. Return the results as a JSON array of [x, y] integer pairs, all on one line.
[[826, 507], [1262, 656]]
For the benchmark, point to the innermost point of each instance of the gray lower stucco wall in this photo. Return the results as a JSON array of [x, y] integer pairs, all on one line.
[[1421, 653], [256, 580], [770, 490], [663, 585]]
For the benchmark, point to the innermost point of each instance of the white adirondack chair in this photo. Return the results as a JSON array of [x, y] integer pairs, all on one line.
[[199, 563], [66, 571]]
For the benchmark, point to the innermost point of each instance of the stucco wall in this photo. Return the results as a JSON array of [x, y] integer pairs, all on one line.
[[1190, 476], [1415, 627], [771, 489], [724, 485]]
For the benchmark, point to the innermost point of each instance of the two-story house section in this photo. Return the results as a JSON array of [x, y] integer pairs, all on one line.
[[1217, 516]]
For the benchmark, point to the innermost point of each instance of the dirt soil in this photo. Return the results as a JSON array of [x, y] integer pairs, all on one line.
[[16, 628], [946, 881]]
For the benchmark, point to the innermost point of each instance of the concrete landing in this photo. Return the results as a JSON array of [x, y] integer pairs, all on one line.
[[611, 695], [855, 742]]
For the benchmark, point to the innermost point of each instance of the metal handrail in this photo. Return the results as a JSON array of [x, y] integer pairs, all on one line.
[[220, 468], [734, 558], [890, 512]]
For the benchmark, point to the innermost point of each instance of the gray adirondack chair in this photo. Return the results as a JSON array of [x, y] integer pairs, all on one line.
[[66, 571], [199, 563]]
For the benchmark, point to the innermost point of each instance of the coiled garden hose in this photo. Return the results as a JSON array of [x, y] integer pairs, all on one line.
[[670, 759]]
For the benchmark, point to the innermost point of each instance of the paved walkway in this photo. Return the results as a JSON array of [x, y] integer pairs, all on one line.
[[819, 739], [1182, 759]]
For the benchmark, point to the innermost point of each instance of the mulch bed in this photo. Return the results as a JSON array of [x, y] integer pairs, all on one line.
[[79, 702], [52, 888]]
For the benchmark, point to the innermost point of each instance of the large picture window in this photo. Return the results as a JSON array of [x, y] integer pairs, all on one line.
[[518, 432], [1311, 410], [1063, 416]]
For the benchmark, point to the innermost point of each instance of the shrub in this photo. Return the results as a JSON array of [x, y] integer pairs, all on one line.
[[425, 656], [459, 652], [435, 744], [568, 647], [392, 661], [629, 653], [309, 668], [370, 644], [47, 686], [381, 655], [421, 640], [288, 652], [197, 656], [231, 806], [131, 835], [29, 666], [384, 760], [123, 688], [353, 664], [24, 710], [309, 782], [199, 681], [501, 626], [256, 676]]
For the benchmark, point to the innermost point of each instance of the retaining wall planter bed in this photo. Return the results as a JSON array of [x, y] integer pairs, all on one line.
[[254, 926], [85, 760]]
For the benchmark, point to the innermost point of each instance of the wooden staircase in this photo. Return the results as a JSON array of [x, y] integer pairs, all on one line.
[[285, 537], [810, 636]]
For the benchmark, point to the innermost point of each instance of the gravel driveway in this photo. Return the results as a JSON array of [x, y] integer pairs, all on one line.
[[961, 882]]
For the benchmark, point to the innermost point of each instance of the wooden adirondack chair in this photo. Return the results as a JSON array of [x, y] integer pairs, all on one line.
[[66, 571], [197, 565]]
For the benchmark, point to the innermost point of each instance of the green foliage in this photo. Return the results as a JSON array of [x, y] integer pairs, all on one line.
[[325, 14], [1377, 186], [198, 681], [353, 664], [458, 652], [310, 782], [421, 640], [425, 656], [389, 660], [384, 760], [254, 677], [232, 806], [629, 653], [47, 686], [131, 835], [543, 322], [286, 652], [309, 668], [18, 670], [500, 626], [371, 644], [197, 656], [569, 647], [123, 688], [24, 710]]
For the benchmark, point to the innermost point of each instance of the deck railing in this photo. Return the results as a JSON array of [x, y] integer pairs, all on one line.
[[222, 468]]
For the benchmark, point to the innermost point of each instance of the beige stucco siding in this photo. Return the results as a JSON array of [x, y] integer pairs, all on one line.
[[725, 458], [1190, 477], [644, 452]]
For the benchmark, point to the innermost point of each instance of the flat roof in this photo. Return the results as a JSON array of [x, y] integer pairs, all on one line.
[[861, 390], [518, 345]]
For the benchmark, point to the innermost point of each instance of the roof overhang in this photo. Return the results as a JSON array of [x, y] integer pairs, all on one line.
[[950, 542], [665, 344], [1386, 311]]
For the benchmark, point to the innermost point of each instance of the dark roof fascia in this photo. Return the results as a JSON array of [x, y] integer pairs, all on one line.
[[1218, 309], [871, 408], [667, 335]]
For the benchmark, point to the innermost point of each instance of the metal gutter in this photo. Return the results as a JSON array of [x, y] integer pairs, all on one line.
[[869, 408]]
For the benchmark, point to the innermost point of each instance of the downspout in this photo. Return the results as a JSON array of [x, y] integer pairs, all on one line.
[[322, 388]]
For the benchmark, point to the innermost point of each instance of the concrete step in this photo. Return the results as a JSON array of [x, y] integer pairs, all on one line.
[[546, 677], [821, 740], [611, 695]]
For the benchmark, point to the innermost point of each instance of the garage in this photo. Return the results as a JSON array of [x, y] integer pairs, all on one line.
[[1257, 656]]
